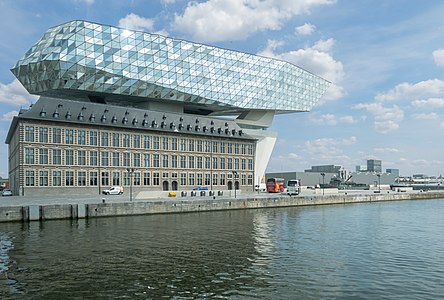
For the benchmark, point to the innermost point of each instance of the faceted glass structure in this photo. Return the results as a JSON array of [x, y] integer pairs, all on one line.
[[79, 59]]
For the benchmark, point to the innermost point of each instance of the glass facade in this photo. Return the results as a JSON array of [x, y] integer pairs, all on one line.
[[80, 56]]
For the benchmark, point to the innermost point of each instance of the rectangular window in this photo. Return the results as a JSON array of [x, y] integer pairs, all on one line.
[[93, 158], [199, 146], [116, 178], [173, 143], [56, 178], [214, 163], [183, 162], [199, 162], [93, 178], [69, 136], [207, 146], [29, 178], [43, 134], [146, 178], [104, 139], [93, 138], [69, 157], [244, 164], [116, 159], [156, 178], [236, 163], [105, 178], [81, 157], [136, 141], [165, 175], [222, 163], [250, 149], [222, 179], [116, 139], [236, 148], [214, 179], [174, 161], [183, 179], [165, 161], [69, 178], [182, 145], [136, 178], [146, 160], [29, 133], [207, 179], [243, 149], [56, 156], [222, 147], [136, 159], [146, 142], [29, 156], [156, 161], [191, 162], [250, 164], [191, 179], [207, 163], [104, 158], [191, 145], [43, 156], [155, 142], [126, 159], [230, 148], [126, 140], [81, 137], [243, 179], [56, 135], [126, 180], [230, 163], [43, 180], [250, 179], [199, 179], [214, 147], [165, 143], [81, 178]]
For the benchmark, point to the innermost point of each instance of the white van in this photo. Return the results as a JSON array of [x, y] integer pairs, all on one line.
[[293, 187], [113, 190]]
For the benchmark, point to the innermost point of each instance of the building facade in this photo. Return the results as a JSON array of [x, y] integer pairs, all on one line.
[[374, 165], [121, 107]]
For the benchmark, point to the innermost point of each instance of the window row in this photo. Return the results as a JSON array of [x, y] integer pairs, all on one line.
[[70, 157], [135, 141], [91, 178]]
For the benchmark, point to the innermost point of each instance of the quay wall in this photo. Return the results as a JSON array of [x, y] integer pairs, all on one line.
[[176, 205]]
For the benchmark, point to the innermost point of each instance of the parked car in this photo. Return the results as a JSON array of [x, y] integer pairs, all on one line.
[[6, 192], [201, 188], [261, 187], [113, 190]]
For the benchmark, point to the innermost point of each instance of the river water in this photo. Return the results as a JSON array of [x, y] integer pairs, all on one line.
[[387, 250]]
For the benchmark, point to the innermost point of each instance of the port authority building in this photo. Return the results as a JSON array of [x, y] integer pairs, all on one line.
[[121, 107]]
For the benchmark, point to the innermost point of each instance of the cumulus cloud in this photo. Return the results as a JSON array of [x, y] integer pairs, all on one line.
[[9, 115], [438, 56], [409, 91], [136, 22], [315, 59], [305, 29], [330, 119], [386, 119], [422, 116], [15, 94], [222, 20], [386, 150], [430, 103]]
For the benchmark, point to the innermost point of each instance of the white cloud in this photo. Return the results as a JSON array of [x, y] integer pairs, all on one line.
[[429, 103], [222, 20], [168, 1], [9, 115], [386, 119], [422, 116], [386, 150], [408, 91], [305, 29], [135, 22], [87, 2], [438, 56], [15, 94], [330, 119], [442, 125]]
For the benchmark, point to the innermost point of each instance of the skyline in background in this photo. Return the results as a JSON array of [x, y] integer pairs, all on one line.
[[385, 60]]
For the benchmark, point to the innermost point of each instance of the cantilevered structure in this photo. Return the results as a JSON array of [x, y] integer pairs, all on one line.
[[129, 83]]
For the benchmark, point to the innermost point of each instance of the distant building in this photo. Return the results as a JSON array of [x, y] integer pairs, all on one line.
[[374, 165], [340, 171], [394, 172], [361, 169]]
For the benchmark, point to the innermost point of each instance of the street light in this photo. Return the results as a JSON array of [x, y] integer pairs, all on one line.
[[235, 175], [379, 184], [323, 182], [131, 172]]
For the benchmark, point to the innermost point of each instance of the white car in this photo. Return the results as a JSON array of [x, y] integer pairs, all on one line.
[[6, 192], [113, 190]]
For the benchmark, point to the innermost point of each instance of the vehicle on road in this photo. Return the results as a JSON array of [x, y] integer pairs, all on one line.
[[293, 187], [275, 185], [260, 187], [6, 192], [113, 190]]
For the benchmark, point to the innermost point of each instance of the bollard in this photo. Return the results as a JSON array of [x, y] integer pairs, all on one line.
[[103, 200]]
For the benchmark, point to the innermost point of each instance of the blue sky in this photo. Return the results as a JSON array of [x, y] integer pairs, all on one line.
[[385, 58]]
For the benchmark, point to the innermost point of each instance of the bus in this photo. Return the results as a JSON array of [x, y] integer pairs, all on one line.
[[275, 185], [293, 187]]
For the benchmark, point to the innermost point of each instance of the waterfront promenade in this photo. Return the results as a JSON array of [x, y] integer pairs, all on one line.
[[30, 208]]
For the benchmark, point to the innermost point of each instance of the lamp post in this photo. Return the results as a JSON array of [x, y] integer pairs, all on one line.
[[323, 182], [379, 182], [234, 177], [131, 172]]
